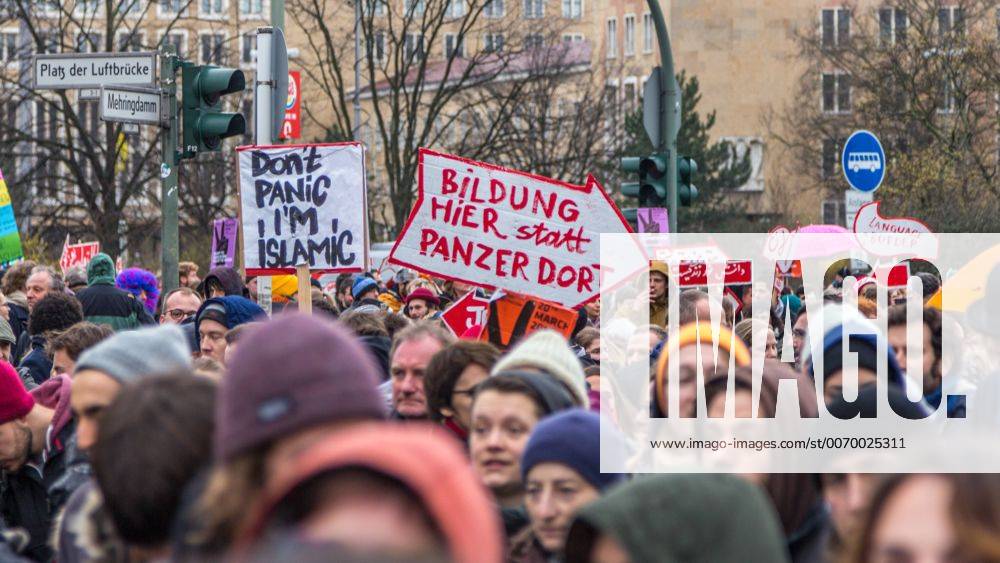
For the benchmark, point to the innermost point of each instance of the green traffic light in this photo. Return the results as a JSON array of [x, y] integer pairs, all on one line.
[[630, 163], [204, 124], [686, 169]]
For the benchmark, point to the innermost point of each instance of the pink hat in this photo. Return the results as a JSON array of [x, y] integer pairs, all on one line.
[[15, 402], [423, 293]]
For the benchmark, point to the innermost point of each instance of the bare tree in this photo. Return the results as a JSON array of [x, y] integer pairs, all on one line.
[[426, 83], [924, 78]]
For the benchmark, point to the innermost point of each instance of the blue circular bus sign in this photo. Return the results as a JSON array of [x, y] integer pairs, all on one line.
[[863, 161]]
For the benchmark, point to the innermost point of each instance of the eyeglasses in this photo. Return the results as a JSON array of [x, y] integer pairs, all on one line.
[[179, 314]]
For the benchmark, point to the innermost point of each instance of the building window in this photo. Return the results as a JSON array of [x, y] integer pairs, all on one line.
[[8, 46], [130, 41], [612, 37], [88, 42], [414, 44], [212, 8], [892, 24], [830, 157], [251, 7], [170, 6], [836, 92], [493, 42], [572, 9], [836, 27], [46, 130], [629, 35], [413, 8], [534, 41], [951, 20], [572, 37], [177, 40], [949, 97], [534, 9], [246, 50], [378, 46], [131, 7], [453, 46], [456, 9], [213, 48], [49, 42], [493, 9], [647, 33]]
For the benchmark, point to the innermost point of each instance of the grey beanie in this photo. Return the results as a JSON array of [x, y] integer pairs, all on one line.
[[131, 355], [6, 333]]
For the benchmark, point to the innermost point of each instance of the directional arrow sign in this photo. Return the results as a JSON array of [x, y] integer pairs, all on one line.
[[467, 312], [496, 227], [93, 70], [130, 105]]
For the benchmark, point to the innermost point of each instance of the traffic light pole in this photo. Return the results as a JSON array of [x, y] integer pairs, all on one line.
[[170, 253], [668, 106]]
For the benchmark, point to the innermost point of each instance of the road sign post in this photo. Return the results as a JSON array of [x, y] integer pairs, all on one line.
[[669, 108], [170, 254]]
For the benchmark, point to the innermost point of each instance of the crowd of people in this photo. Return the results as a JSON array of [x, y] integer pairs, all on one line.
[[192, 426]]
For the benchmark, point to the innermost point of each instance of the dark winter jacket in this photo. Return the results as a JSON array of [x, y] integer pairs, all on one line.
[[18, 322], [239, 310], [103, 303], [32, 497], [524, 549], [36, 363], [226, 278]]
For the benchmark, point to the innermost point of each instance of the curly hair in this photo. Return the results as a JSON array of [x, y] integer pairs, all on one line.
[[55, 311], [137, 280]]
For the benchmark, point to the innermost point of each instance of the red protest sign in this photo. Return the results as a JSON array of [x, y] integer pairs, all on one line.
[[495, 227], [466, 313], [512, 317], [291, 128], [694, 274], [74, 255]]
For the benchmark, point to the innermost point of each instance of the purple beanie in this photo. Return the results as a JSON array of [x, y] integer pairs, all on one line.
[[290, 374]]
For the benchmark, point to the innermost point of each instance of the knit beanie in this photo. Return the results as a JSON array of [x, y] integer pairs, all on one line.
[[554, 396], [15, 401], [284, 287], [692, 333], [572, 438], [548, 351], [6, 332], [131, 355], [361, 285], [293, 373]]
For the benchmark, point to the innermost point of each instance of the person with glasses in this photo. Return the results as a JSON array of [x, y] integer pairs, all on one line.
[[450, 379], [180, 305]]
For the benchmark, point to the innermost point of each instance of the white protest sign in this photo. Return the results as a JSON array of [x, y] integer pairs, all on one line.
[[495, 227], [303, 205]]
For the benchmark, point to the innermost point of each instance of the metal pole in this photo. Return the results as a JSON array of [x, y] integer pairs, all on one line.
[[668, 118], [357, 71], [264, 90], [278, 14], [168, 172]]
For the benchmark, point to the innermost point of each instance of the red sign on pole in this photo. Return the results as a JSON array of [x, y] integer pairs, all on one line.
[[466, 313], [291, 128], [78, 254]]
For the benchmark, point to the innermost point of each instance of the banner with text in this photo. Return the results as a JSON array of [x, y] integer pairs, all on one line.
[[303, 205], [10, 239], [224, 234], [496, 227]]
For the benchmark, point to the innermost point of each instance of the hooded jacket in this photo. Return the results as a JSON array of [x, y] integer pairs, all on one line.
[[103, 303], [682, 518], [423, 458], [32, 497], [226, 278], [239, 310]]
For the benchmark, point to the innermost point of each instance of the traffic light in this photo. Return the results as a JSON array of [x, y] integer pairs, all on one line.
[[651, 189], [686, 191], [205, 124]]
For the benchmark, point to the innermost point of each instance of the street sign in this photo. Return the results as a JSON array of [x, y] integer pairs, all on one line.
[[863, 161], [291, 128], [279, 70], [58, 71], [651, 94], [89, 94], [130, 105], [853, 201]]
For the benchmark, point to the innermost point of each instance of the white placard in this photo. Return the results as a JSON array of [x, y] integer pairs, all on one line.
[[93, 70], [303, 204]]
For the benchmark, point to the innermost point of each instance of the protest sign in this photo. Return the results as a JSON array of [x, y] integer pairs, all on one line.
[[74, 255], [513, 316], [465, 313], [653, 220], [872, 228], [224, 233], [10, 239], [494, 227], [303, 205]]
